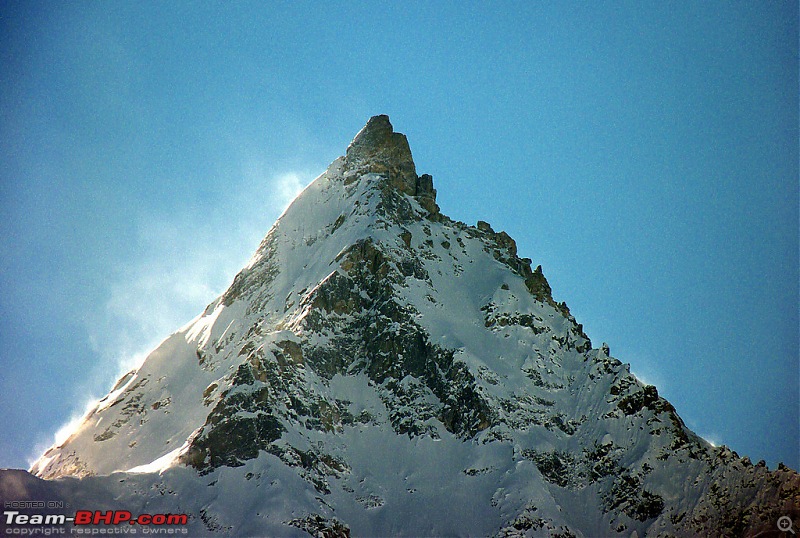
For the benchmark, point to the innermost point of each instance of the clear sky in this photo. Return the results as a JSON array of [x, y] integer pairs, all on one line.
[[644, 153]]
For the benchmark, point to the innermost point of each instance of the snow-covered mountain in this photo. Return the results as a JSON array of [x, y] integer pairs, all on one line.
[[380, 369]]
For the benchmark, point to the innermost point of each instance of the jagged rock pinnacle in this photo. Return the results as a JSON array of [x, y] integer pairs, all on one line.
[[378, 149], [375, 135]]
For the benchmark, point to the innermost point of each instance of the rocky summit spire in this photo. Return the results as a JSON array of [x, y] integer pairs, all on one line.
[[378, 149], [378, 133]]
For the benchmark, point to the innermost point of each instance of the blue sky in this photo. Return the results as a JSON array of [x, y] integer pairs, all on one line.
[[645, 153]]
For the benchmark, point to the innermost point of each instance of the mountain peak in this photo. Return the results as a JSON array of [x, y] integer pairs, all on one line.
[[378, 149], [368, 324], [377, 133]]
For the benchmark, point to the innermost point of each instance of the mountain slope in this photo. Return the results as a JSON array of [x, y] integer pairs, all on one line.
[[376, 359]]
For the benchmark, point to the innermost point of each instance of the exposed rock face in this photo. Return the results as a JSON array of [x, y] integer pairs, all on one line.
[[377, 359], [378, 149]]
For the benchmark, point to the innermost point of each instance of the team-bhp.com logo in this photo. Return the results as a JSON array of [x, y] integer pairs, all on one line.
[[118, 517], [87, 521]]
